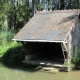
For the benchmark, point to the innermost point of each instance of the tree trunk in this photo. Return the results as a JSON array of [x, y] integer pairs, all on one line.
[[70, 7], [61, 4], [12, 15], [38, 7], [53, 5], [27, 10], [42, 5], [48, 5], [77, 3], [32, 7]]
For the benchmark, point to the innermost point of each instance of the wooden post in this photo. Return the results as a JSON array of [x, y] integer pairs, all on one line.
[[26, 46]]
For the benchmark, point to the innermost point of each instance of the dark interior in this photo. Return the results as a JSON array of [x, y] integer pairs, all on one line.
[[46, 51]]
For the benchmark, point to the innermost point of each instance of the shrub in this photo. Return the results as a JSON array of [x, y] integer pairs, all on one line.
[[14, 54], [6, 41], [6, 37]]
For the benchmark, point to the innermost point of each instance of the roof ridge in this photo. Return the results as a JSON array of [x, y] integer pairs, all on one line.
[[60, 11]]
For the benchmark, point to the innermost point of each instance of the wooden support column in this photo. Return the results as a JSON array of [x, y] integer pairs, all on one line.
[[65, 51], [26, 46]]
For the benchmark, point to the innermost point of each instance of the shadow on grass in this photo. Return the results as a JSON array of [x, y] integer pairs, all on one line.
[[13, 59], [14, 55], [77, 66]]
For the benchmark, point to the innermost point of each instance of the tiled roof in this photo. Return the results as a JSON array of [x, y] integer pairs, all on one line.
[[48, 26]]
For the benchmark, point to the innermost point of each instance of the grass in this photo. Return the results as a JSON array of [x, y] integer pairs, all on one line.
[[6, 36], [10, 50], [5, 47], [6, 41]]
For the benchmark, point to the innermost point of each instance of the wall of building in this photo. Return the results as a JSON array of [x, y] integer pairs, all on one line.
[[74, 38]]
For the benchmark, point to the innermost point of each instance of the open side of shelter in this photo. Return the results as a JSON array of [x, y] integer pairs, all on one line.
[[46, 53], [50, 37]]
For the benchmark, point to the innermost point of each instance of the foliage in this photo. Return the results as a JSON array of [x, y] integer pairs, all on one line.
[[15, 13], [6, 41], [10, 50], [15, 53], [6, 36], [12, 14], [4, 8], [75, 57]]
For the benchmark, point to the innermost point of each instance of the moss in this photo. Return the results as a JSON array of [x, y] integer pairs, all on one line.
[[75, 57]]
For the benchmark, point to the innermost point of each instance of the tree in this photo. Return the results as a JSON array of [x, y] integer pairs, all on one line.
[[15, 13], [53, 3], [32, 7], [4, 8], [61, 4], [27, 10], [48, 5], [70, 3], [77, 4], [38, 5]]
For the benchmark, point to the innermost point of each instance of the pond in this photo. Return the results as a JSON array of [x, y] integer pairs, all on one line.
[[28, 73]]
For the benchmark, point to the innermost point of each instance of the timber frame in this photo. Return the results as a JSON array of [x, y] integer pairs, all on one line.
[[60, 27]]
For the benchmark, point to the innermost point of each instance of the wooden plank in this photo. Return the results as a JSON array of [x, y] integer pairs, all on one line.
[[64, 49], [38, 41]]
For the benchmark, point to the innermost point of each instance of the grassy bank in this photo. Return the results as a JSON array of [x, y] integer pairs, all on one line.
[[6, 41], [10, 50]]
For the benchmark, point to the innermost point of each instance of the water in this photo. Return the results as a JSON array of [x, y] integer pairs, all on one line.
[[25, 73]]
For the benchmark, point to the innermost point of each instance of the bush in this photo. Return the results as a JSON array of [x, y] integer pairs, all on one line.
[[10, 51], [6, 37], [14, 54], [6, 41]]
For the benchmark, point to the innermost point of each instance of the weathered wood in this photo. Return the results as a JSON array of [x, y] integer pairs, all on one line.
[[27, 47], [51, 69], [42, 63], [64, 49]]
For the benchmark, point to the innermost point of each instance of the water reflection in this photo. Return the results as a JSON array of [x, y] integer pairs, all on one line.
[[26, 73]]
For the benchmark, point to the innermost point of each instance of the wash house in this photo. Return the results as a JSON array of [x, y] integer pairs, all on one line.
[[51, 37]]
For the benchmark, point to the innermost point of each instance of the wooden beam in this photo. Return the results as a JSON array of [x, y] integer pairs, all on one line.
[[26, 46], [39, 40], [64, 49]]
